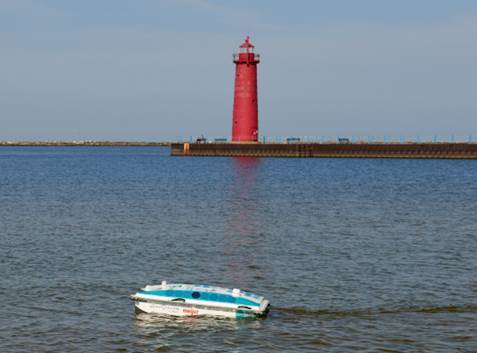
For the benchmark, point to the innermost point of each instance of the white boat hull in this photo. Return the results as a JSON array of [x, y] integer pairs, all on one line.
[[191, 300], [160, 308], [166, 309]]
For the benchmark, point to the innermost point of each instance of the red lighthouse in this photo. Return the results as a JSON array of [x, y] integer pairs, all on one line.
[[245, 116]]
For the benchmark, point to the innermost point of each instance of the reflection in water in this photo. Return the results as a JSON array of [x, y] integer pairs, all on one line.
[[245, 171], [243, 201], [243, 224], [166, 331], [156, 323]]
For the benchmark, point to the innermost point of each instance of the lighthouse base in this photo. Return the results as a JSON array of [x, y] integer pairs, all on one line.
[[328, 150]]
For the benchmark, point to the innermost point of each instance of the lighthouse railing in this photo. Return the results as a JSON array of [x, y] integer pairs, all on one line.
[[236, 57]]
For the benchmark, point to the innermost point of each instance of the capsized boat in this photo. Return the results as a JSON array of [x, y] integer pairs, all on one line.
[[199, 300]]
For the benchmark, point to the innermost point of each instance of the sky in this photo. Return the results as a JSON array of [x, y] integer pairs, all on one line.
[[162, 69]]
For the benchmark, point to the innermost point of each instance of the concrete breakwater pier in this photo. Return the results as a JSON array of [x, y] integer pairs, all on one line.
[[428, 150]]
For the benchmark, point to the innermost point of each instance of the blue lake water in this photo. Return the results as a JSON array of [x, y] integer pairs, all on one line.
[[354, 254]]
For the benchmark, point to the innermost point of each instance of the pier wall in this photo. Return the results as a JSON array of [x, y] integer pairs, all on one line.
[[328, 150]]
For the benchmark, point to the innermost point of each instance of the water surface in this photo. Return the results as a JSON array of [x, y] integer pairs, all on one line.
[[355, 255]]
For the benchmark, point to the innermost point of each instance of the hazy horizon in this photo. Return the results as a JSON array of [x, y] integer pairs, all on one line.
[[162, 70]]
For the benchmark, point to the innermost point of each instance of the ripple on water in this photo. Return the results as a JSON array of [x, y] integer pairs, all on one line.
[[355, 255]]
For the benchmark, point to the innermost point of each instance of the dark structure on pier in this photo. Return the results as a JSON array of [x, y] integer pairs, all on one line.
[[329, 150]]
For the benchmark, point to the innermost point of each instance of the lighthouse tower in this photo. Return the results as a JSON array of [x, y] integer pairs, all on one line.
[[245, 115]]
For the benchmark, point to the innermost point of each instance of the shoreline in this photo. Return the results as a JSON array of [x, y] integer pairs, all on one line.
[[84, 143]]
